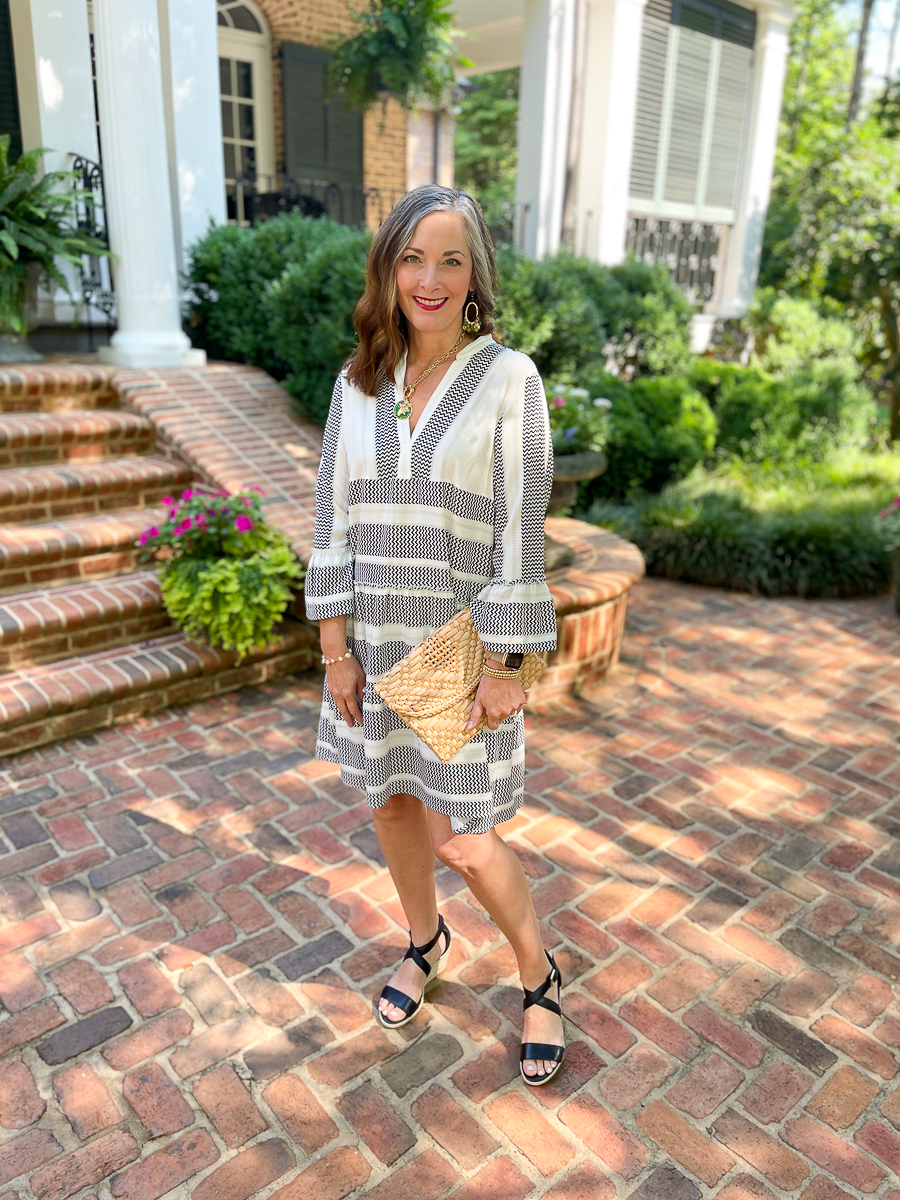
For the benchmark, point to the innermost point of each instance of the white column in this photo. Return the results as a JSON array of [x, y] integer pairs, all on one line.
[[545, 108], [612, 63], [56, 100], [189, 40], [739, 274], [136, 180]]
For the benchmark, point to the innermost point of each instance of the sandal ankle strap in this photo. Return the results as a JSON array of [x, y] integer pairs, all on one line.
[[417, 953], [539, 995]]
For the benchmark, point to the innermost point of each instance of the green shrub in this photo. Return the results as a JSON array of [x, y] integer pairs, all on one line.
[[233, 310], [571, 314], [660, 430], [310, 306], [225, 574], [709, 376], [790, 333], [803, 531]]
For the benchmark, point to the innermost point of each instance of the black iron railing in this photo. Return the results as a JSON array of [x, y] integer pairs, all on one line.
[[257, 197], [95, 273], [687, 249]]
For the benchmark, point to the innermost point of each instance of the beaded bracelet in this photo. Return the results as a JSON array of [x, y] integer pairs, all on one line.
[[504, 674], [328, 661]]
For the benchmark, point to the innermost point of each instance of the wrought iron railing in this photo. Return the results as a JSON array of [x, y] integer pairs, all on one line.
[[95, 272], [687, 249], [258, 197]]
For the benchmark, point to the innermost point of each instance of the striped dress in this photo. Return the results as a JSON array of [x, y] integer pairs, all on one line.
[[411, 528]]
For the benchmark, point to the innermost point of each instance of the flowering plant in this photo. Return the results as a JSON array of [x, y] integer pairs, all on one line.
[[889, 525], [224, 573], [577, 422]]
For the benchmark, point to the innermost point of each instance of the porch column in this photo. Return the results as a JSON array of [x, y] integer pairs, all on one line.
[[188, 34], [136, 181], [545, 108], [738, 276], [609, 105]]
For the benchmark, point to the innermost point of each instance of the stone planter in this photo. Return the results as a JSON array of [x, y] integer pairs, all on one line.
[[568, 471], [15, 349]]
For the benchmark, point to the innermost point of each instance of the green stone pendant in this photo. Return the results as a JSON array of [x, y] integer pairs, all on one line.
[[403, 409]]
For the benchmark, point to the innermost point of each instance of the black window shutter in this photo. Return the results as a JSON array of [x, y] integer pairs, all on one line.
[[321, 141], [9, 100]]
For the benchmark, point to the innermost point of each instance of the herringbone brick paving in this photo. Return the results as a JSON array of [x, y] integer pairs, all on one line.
[[196, 919]]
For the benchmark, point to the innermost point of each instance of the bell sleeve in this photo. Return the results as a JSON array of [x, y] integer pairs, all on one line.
[[328, 588], [515, 610]]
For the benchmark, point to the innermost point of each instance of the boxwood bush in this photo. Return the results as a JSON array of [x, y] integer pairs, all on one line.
[[801, 531]]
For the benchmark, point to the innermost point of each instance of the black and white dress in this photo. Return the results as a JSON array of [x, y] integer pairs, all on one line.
[[411, 528]]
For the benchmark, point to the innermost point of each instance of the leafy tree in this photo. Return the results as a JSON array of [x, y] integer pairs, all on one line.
[[486, 153], [401, 48], [846, 244]]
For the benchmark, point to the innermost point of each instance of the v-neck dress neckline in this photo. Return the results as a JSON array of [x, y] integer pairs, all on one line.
[[406, 435]]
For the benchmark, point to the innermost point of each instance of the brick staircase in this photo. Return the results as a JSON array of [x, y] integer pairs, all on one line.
[[84, 639]]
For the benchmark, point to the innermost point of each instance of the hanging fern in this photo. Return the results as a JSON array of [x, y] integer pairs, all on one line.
[[402, 49]]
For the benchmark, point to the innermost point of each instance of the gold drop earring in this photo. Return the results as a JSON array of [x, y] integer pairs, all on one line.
[[471, 321]]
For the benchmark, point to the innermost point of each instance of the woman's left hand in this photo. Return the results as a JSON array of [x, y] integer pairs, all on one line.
[[496, 699]]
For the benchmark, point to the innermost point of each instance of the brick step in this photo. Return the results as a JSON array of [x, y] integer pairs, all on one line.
[[58, 552], [81, 434], [46, 626], [42, 704], [42, 493], [56, 389]]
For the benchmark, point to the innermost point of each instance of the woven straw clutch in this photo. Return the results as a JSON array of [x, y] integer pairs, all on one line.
[[433, 689]]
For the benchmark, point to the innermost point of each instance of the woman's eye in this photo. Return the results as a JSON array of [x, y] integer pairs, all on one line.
[[411, 258], [452, 262]]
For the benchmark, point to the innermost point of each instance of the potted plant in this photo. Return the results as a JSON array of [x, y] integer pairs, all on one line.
[[889, 524], [579, 427], [224, 573], [36, 229]]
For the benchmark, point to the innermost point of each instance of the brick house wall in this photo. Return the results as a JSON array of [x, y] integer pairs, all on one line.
[[314, 23]]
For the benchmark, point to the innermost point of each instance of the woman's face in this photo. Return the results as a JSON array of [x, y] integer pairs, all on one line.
[[435, 274]]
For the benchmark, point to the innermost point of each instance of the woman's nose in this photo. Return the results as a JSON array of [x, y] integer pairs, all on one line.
[[430, 277]]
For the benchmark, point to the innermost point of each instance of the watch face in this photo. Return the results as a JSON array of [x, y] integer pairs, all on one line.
[[514, 661]]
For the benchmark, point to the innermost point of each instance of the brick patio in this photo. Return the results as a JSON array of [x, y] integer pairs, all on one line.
[[196, 919]]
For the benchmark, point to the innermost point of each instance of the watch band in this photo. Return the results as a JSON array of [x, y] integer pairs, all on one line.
[[511, 659]]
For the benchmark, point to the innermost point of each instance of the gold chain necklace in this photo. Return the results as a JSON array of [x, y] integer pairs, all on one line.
[[403, 408]]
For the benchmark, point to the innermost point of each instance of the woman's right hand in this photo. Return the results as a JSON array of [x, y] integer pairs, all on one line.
[[346, 681]]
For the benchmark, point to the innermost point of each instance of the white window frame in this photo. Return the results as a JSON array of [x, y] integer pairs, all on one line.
[[256, 48]]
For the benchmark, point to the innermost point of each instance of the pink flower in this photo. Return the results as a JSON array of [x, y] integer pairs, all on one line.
[[200, 518], [257, 488], [173, 513], [185, 526], [153, 531], [222, 492], [187, 494], [223, 512], [243, 524], [167, 500], [558, 402], [897, 501], [143, 538]]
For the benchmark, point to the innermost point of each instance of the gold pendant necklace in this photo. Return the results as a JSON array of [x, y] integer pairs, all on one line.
[[403, 408]]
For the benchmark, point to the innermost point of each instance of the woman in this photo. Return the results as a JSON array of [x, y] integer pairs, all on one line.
[[435, 475]]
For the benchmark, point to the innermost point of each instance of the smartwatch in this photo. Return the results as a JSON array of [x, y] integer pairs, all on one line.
[[512, 659]]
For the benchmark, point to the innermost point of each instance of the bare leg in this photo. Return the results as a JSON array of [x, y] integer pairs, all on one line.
[[496, 879], [403, 834]]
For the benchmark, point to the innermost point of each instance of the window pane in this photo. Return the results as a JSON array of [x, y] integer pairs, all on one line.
[[222, 20], [245, 117], [229, 160], [243, 18], [245, 80], [248, 160], [225, 76], [227, 119]]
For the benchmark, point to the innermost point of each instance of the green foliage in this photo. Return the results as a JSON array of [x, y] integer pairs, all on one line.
[[660, 430], [485, 149], [888, 525], [281, 295], [35, 227], [886, 109], [571, 315], [577, 422], [310, 307], [790, 332], [225, 574], [805, 530], [230, 602], [401, 48]]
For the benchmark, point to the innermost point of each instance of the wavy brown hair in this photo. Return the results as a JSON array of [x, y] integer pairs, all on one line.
[[381, 325]]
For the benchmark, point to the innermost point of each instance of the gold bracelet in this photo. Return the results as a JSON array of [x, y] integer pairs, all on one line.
[[504, 674]]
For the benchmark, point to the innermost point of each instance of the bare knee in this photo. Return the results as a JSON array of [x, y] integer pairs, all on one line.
[[467, 853], [397, 810]]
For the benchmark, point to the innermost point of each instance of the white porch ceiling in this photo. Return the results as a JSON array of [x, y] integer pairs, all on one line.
[[493, 33]]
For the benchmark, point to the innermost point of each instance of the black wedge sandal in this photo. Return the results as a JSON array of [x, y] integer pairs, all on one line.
[[543, 1051], [400, 999]]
